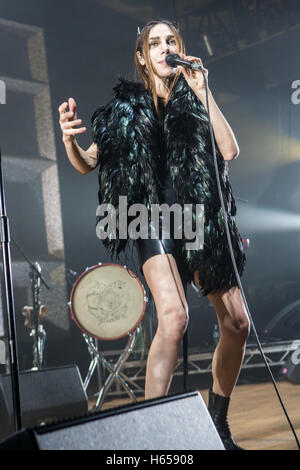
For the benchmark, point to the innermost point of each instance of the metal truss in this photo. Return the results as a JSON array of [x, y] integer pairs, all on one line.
[[223, 28], [275, 354], [201, 363]]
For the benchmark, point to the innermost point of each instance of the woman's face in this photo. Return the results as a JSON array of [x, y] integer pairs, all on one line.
[[161, 43]]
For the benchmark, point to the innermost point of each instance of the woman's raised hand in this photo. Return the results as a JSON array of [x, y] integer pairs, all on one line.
[[194, 78], [68, 120]]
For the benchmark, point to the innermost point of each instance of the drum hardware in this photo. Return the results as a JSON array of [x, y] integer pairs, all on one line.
[[114, 370], [108, 302], [39, 344], [34, 315], [93, 348]]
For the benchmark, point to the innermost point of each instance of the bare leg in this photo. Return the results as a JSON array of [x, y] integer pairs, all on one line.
[[228, 357], [234, 330], [172, 315]]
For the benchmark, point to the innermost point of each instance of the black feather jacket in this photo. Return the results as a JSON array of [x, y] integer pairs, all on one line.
[[128, 132]]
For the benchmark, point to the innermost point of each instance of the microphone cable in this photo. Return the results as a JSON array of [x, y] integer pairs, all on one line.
[[234, 265], [234, 262]]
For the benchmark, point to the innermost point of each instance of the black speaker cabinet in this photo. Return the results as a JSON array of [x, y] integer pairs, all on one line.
[[176, 422], [46, 395]]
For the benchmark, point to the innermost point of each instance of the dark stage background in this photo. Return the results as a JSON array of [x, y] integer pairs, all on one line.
[[253, 68]]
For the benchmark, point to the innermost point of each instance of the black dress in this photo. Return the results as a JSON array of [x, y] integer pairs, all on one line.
[[146, 248], [127, 137]]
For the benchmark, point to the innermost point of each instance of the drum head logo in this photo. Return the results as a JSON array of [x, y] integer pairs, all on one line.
[[108, 302]]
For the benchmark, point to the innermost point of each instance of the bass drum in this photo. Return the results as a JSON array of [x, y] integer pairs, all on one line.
[[107, 301]]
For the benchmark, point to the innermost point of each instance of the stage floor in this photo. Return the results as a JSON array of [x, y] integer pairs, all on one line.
[[256, 418]]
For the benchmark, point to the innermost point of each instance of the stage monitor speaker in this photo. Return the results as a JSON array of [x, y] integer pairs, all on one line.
[[291, 369], [46, 395], [176, 422]]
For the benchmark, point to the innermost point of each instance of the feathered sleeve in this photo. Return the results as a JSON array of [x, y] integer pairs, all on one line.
[[98, 127], [124, 132]]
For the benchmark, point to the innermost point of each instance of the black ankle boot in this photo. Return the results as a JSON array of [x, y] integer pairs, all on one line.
[[218, 409]]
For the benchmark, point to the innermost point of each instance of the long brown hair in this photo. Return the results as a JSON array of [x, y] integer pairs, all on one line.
[[146, 72]]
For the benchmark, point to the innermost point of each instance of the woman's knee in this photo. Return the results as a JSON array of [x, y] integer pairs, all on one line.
[[173, 321], [239, 327]]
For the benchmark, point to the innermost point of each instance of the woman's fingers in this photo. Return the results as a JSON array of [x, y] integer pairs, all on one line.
[[189, 57], [70, 128], [65, 117], [62, 108], [194, 59], [64, 114], [72, 131], [68, 124], [68, 119], [72, 106]]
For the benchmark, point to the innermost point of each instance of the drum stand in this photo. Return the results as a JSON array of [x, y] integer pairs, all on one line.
[[97, 358]]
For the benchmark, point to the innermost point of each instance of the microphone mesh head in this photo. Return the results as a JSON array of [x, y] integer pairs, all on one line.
[[170, 59]]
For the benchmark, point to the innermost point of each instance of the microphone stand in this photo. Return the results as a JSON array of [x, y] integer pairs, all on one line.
[[11, 321]]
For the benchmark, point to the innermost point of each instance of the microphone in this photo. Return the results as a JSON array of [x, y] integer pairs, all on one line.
[[174, 59]]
